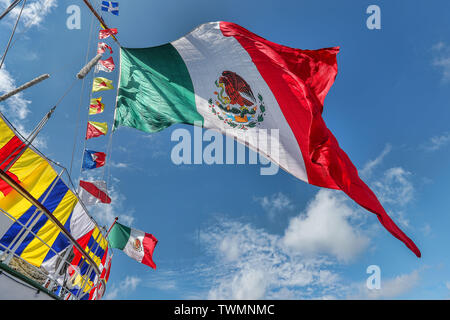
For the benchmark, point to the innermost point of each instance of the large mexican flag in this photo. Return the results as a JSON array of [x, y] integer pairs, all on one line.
[[224, 77]]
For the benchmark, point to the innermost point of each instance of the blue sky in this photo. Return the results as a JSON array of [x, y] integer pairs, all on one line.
[[224, 230]]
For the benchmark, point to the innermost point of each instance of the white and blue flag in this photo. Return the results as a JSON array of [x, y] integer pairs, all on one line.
[[111, 6]]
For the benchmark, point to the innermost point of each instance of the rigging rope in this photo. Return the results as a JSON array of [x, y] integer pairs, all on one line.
[[10, 7], [109, 146], [77, 126], [12, 34]]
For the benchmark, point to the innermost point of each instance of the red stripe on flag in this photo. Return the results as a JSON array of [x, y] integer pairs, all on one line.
[[95, 191], [149, 242], [99, 159], [97, 106], [108, 63], [299, 80], [108, 272], [106, 33], [83, 242], [8, 152], [93, 132], [101, 47]]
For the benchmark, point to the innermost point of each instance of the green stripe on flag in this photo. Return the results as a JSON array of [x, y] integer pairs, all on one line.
[[118, 236], [155, 90]]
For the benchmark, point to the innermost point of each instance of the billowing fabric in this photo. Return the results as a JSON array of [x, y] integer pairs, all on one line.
[[136, 244], [106, 65], [94, 192], [224, 77], [40, 246], [96, 245], [96, 129], [103, 34], [101, 48], [93, 159], [101, 84], [96, 106], [29, 169]]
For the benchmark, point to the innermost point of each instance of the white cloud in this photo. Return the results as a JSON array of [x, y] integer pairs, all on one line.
[[104, 214], [396, 190], [324, 229], [390, 288], [447, 285], [301, 262], [426, 229], [16, 106], [441, 59], [126, 286], [370, 166], [245, 285], [119, 165], [33, 13], [251, 263], [395, 187], [275, 204], [437, 142]]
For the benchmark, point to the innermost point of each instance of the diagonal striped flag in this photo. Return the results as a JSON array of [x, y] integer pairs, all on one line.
[[94, 192], [96, 129], [105, 65]]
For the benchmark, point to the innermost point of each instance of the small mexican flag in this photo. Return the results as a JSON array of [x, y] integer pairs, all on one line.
[[135, 243]]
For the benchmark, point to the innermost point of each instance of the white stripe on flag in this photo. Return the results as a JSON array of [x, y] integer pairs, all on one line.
[[207, 53]]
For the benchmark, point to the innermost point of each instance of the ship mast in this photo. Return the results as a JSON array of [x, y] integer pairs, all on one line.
[[28, 141], [100, 19]]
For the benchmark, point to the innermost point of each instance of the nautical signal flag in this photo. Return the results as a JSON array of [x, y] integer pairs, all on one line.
[[101, 84], [94, 192], [101, 48], [93, 159], [96, 129], [137, 244], [103, 34], [96, 106], [95, 243], [105, 65], [111, 6]]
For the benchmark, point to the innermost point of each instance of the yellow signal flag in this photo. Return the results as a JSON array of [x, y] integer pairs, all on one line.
[[96, 106], [101, 84]]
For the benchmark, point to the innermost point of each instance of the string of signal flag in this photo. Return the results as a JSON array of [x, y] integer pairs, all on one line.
[[93, 192]]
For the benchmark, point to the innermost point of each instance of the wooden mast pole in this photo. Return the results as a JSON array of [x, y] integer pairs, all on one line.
[[100, 19]]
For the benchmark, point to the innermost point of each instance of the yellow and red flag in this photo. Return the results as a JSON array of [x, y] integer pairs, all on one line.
[[96, 129], [101, 84], [96, 106]]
